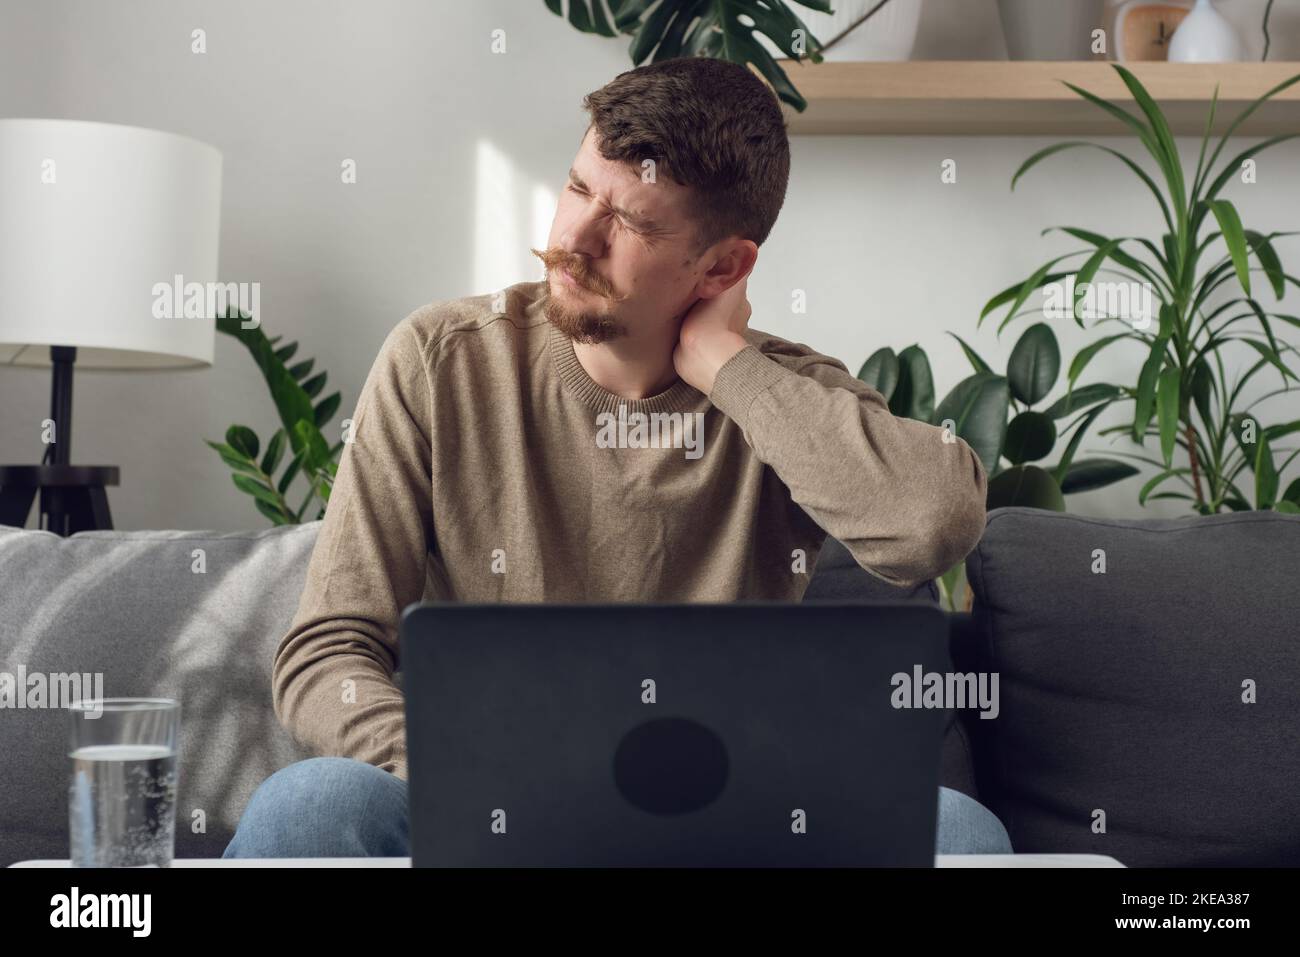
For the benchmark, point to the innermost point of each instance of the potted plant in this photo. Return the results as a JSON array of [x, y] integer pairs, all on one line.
[[663, 29], [977, 410], [1183, 396], [311, 456]]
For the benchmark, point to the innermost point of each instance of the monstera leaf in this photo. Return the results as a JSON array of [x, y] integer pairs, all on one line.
[[675, 28]]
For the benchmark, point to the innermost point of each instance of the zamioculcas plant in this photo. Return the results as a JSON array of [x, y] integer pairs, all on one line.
[[1183, 395], [312, 457]]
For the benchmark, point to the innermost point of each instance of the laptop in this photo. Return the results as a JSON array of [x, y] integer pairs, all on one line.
[[752, 734]]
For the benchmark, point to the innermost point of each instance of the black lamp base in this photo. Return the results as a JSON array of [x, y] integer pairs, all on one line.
[[72, 496]]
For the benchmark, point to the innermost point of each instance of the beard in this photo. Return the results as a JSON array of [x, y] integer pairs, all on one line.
[[569, 312]]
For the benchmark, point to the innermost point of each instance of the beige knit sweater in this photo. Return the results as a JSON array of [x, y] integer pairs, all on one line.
[[486, 465]]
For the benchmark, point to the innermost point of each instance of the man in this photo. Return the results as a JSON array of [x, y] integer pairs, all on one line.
[[613, 433]]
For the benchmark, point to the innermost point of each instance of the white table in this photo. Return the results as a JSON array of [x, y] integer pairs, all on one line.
[[940, 860]]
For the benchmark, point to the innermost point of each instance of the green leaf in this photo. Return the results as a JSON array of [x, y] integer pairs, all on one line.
[[285, 353], [1268, 354], [1292, 493], [1136, 169], [326, 408], [313, 385], [1030, 437], [1234, 237], [309, 438], [274, 450], [235, 459], [949, 580], [1268, 332], [1144, 403], [300, 370], [1167, 411], [689, 28], [1268, 261], [1266, 477], [1034, 364], [880, 371], [1085, 475], [1202, 388], [1026, 486], [277, 515], [1088, 271], [1287, 506], [1157, 481], [1063, 467], [913, 397], [287, 478], [979, 364], [1087, 353], [1011, 293], [243, 440], [255, 488], [976, 411], [291, 401], [1163, 135], [1082, 397]]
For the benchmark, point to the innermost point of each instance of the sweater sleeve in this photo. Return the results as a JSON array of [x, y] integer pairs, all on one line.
[[332, 680], [905, 497]]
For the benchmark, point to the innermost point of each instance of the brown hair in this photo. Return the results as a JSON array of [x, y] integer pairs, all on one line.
[[709, 124]]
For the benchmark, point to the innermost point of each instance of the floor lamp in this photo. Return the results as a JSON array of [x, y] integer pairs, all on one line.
[[99, 225]]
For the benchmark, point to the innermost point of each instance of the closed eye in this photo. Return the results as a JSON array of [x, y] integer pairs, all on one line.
[[583, 192]]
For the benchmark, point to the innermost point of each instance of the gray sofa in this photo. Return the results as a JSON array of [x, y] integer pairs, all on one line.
[[1121, 692]]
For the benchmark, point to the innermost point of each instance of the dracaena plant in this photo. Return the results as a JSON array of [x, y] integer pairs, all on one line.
[[1200, 278], [309, 456], [712, 28]]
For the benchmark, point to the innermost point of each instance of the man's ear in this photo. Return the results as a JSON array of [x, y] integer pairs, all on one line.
[[734, 263]]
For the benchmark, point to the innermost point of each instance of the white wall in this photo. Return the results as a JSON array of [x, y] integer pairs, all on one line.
[[460, 153]]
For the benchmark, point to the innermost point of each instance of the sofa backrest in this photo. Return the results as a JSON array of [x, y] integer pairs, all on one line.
[[195, 616], [1149, 675], [192, 615]]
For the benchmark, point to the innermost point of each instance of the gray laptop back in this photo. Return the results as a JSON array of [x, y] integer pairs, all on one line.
[[749, 734]]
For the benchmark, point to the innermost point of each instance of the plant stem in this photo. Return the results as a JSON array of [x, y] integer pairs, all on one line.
[[1191, 454], [1267, 10]]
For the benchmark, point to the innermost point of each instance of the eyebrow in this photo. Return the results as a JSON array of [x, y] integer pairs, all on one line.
[[638, 220]]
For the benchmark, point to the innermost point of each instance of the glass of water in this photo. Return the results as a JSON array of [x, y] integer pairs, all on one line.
[[122, 799]]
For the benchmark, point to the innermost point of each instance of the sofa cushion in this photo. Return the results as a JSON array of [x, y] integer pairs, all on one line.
[[1121, 691], [134, 607]]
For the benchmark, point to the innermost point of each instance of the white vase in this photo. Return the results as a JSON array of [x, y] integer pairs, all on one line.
[[890, 34], [1204, 36], [1049, 29]]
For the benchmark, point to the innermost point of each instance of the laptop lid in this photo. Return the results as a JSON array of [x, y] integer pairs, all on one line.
[[739, 734]]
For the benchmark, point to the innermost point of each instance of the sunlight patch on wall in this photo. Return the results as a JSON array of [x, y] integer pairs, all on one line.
[[510, 215]]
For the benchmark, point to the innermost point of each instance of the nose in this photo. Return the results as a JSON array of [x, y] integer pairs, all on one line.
[[584, 234]]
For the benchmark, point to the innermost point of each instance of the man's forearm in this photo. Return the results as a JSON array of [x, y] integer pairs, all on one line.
[[339, 702]]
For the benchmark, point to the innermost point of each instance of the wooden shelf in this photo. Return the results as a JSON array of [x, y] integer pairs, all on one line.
[[971, 97]]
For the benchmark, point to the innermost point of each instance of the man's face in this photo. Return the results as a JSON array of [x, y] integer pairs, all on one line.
[[628, 243]]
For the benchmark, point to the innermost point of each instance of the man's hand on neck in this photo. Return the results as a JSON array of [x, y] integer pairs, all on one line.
[[711, 333]]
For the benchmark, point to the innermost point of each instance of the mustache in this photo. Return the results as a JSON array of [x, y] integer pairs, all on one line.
[[558, 259]]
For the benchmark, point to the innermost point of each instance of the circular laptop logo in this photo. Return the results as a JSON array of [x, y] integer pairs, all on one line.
[[670, 766]]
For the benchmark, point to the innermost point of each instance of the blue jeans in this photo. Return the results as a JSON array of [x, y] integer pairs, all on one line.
[[338, 807]]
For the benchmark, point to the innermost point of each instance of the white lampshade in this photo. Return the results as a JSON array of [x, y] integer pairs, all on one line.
[[93, 216]]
